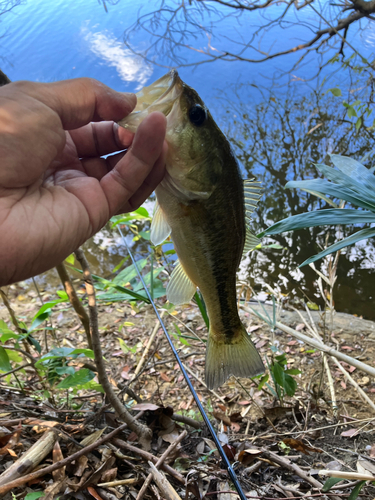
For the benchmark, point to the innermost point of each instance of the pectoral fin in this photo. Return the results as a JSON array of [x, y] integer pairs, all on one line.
[[180, 289], [160, 229]]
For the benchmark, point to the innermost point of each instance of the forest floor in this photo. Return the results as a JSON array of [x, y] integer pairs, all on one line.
[[276, 445]]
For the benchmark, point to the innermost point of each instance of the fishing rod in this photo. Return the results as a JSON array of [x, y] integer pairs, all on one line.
[[224, 458]]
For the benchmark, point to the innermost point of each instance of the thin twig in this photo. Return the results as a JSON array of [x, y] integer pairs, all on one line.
[[158, 464], [58, 465], [74, 300], [141, 430], [202, 383], [148, 456], [16, 369], [146, 351]]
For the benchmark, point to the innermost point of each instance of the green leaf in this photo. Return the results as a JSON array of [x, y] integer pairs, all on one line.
[[335, 91], [14, 356], [343, 193], [262, 381], [354, 494], [65, 370], [4, 327], [351, 111], [202, 308], [279, 374], [290, 385], [293, 371], [328, 217], [350, 240], [6, 336], [5, 366], [35, 343], [331, 481], [80, 377], [89, 353], [128, 274], [115, 269], [358, 123], [41, 318], [63, 296], [179, 335], [70, 259], [359, 180], [34, 495]]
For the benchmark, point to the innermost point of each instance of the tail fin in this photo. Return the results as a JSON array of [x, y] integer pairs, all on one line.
[[239, 358]]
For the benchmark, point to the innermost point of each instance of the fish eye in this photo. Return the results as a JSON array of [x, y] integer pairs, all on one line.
[[197, 115]]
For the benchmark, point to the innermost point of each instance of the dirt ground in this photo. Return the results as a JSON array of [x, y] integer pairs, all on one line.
[[304, 430]]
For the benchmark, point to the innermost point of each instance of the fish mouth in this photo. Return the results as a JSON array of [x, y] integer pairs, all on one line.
[[159, 96]]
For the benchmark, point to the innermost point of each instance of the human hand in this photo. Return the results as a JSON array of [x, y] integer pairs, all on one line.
[[55, 189]]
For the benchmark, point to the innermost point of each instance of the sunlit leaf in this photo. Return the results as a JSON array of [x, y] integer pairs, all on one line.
[[14, 356], [34, 495], [335, 91], [70, 259]]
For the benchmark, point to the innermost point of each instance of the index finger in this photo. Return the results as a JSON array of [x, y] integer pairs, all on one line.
[[80, 101]]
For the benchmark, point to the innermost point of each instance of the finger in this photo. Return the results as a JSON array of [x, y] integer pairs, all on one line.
[[79, 101], [98, 139], [121, 183], [150, 183]]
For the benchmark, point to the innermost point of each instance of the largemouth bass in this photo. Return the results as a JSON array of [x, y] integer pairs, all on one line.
[[204, 205]]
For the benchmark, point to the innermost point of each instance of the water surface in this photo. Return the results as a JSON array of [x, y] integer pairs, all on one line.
[[279, 122]]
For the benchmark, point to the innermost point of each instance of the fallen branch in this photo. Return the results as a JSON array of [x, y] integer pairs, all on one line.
[[287, 464], [347, 475], [354, 383], [187, 420], [159, 463], [143, 432], [165, 487], [58, 465], [74, 300], [31, 458], [321, 347], [149, 456]]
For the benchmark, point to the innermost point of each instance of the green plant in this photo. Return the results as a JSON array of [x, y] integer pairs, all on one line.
[[284, 383], [352, 182]]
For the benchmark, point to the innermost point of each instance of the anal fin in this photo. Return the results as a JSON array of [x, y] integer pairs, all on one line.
[[180, 289]]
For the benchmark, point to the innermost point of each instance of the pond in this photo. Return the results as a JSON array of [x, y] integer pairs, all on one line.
[[279, 118]]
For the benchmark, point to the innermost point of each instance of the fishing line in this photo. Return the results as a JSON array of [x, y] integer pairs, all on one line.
[[224, 458]]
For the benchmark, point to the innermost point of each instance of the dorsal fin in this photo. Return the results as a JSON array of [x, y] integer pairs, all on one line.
[[160, 229], [252, 193], [180, 289], [251, 241]]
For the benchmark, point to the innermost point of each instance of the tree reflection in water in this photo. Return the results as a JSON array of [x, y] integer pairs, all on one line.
[[277, 141]]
